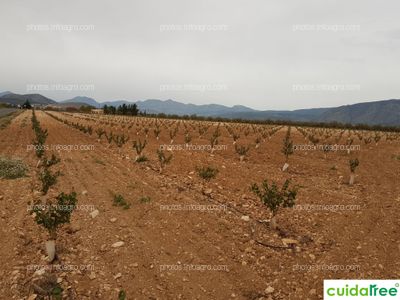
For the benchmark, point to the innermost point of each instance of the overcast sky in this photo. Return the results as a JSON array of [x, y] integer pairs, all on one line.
[[259, 53]]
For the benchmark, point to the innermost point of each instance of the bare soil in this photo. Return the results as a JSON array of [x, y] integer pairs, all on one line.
[[245, 258]]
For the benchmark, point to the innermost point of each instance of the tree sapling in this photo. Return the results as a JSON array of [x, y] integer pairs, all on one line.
[[287, 149], [274, 198], [52, 215], [353, 165]]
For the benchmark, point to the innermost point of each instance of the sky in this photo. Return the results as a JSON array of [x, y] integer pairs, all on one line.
[[260, 53]]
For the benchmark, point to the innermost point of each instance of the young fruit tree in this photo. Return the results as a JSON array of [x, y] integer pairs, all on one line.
[[188, 138], [139, 147], [100, 132], [164, 160], [172, 134], [353, 163], [120, 140], [287, 149], [235, 137], [213, 143], [273, 198], [258, 141], [52, 215], [157, 132], [349, 142], [242, 151]]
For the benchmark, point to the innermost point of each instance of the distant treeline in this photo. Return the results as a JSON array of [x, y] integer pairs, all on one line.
[[72, 109], [335, 125], [126, 110], [6, 105]]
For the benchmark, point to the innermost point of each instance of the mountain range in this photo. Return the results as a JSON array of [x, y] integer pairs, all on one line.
[[384, 112]]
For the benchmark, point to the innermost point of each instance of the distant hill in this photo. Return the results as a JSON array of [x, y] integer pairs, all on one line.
[[83, 101], [16, 99], [4, 93], [178, 108], [386, 112], [302, 115]]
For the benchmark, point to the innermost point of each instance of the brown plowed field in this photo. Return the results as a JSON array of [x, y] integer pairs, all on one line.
[[159, 243]]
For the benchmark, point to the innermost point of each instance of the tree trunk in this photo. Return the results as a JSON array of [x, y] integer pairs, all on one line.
[[351, 181], [51, 249], [285, 167], [273, 223]]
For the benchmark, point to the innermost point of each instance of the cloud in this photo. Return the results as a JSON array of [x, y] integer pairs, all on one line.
[[129, 49]]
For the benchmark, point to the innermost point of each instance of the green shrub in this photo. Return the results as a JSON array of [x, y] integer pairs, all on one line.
[[207, 173], [52, 161], [48, 179], [121, 295], [120, 201], [12, 168], [274, 198], [144, 199], [55, 215], [141, 158]]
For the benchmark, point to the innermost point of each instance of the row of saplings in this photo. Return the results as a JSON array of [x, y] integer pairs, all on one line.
[[241, 150], [287, 150], [54, 212], [120, 140], [274, 197]]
